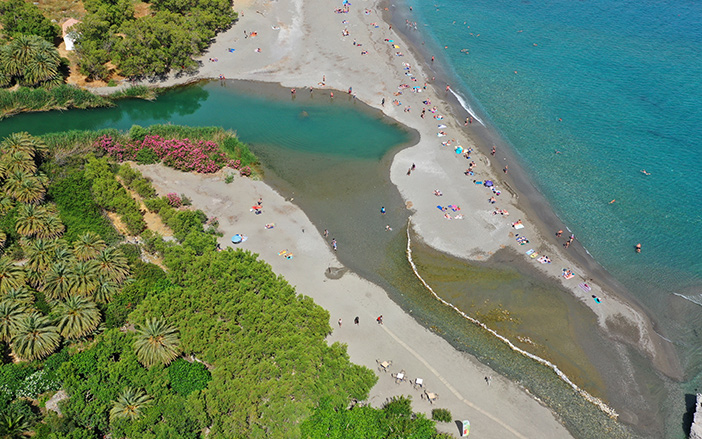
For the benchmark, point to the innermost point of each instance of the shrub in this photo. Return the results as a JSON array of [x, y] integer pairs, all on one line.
[[112, 83], [137, 132], [245, 171], [186, 201], [174, 200], [187, 378], [77, 209], [127, 174], [37, 383], [229, 178], [143, 187], [146, 157], [441, 415]]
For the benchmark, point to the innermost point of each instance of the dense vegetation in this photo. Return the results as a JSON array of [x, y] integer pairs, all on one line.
[[217, 343], [164, 40], [18, 18], [59, 97]]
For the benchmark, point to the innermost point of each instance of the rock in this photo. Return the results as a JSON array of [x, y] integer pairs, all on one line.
[[696, 428], [52, 403]]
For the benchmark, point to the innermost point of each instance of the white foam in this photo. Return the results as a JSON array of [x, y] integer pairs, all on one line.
[[467, 107], [594, 400], [690, 299]]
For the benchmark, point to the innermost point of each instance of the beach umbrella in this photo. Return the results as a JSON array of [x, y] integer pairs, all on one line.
[[459, 149], [488, 183], [236, 239]]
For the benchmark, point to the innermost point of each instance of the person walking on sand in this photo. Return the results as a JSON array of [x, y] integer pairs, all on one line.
[[380, 319], [413, 167], [493, 151], [356, 321], [559, 233], [339, 323], [333, 243], [506, 169]]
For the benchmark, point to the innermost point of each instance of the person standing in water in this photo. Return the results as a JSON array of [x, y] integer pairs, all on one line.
[[638, 248], [382, 210]]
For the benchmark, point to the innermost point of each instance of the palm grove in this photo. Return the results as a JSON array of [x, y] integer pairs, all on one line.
[[216, 345]]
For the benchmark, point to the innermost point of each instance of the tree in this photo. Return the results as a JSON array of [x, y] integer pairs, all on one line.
[[78, 317], [16, 162], [53, 227], [22, 142], [11, 313], [30, 219], [130, 404], [39, 253], [36, 337], [105, 291], [57, 284], [156, 343], [30, 60], [88, 246], [83, 277], [20, 296], [21, 18], [11, 275], [112, 264]]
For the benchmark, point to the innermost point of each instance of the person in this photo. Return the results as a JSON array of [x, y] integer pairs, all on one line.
[[260, 201], [382, 210], [339, 323], [356, 320], [413, 166], [643, 171], [382, 103], [493, 151], [506, 168], [612, 202], [409, 171], [333, 244], [432, 59], [380, 319], [638, 248], [326, 233], [559, 233], [388, 228]]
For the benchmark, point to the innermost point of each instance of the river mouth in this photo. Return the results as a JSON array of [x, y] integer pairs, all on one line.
[[332, 158]]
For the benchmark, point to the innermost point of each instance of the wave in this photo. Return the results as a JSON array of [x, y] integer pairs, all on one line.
[[690, 299], [592, 399], [467, 107]]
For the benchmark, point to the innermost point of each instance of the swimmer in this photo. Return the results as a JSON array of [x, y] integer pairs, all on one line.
[[638, 248], [612, 202], [388, 228], [643, 171]]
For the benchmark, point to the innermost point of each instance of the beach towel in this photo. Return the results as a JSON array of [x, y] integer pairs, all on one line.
[[440, 208], [534, 255], [530, 251], [585, 287], [519, 226], [567, 275]]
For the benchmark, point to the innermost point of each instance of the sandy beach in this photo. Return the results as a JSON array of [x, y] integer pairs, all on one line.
[[315, 45]]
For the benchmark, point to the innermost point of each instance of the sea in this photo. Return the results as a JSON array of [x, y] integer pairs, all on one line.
[[601, 102]]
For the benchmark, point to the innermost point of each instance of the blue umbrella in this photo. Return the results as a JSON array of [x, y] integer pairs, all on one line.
[[488, 183], [236, 239]]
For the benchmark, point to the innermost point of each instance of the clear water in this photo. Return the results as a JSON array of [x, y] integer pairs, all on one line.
[[624, 80], [315, 125]]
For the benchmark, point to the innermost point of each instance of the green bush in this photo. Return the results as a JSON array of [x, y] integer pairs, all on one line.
[[229, 178], [147, 156], [441, 415], [143, 187], [138, 132], [127, 174], [77, 209], [187, 378], [112, 83]]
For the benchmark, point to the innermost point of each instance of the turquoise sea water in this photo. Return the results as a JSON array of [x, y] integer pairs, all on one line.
[[624, 80]]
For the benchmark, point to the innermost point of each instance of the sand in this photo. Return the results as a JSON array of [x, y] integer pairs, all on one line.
[[302, 46], [499, 410]]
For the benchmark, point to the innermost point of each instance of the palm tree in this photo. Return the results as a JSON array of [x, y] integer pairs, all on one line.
[[42, 67], [10, 315], [83, 277], [13, 425], [22, 142], [30, 190], [3, 238], [35, 337], [57, 284], [156, 342], [39, 253], [130, 404], [18, 161], [21, 296], [6, 204], [88, 246], [18, 53], [11, 275], [78, 317], [53, 227], [112, 264], [106, 289], [30, 219]]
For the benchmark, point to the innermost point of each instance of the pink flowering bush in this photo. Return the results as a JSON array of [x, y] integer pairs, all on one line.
[[245, 171], [182, 154], [174, 200]]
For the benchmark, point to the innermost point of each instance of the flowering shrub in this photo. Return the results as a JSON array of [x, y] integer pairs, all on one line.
[[236, 164], [245, 171], [182, 154], [37, 383], [174, 200]]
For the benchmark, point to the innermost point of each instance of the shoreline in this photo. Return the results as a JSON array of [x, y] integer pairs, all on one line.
[[278, 68]]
